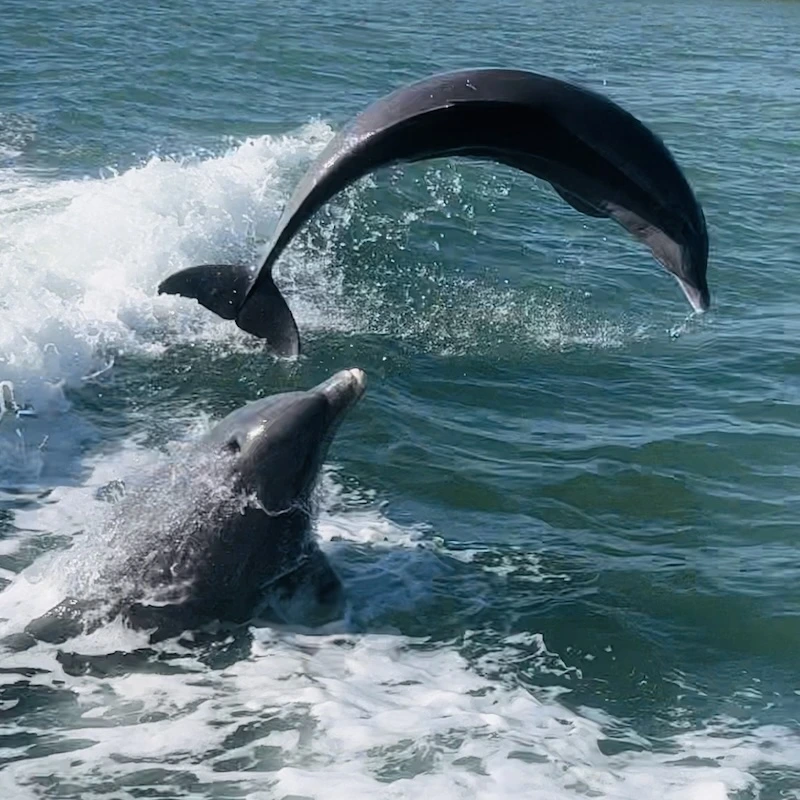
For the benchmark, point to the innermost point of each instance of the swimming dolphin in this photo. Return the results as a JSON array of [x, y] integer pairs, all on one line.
[[598, 157], [225, 531]]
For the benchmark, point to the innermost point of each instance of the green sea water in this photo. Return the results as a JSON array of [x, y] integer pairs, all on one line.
[[566, 510]]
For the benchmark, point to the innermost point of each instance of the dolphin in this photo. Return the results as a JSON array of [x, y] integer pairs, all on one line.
[[598, 157], [224, 533]]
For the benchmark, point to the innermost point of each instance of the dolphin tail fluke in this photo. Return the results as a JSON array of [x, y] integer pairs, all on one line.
[[222, 288], [267, 316]]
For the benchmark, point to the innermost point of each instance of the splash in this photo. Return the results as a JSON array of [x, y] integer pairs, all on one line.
[[17, 132], [80, 259]]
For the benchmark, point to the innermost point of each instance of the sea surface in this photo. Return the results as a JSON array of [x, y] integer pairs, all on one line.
[[566, 511]]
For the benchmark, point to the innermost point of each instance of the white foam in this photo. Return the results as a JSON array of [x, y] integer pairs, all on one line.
[[80, 259], [375, 716], [349, 714]]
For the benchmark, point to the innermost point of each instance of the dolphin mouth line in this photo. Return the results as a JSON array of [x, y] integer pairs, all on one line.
[[282, 512], [345, 388], [360, 378], [355, 376]]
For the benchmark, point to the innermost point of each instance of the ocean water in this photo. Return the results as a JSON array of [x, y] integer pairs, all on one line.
[[566, 510]]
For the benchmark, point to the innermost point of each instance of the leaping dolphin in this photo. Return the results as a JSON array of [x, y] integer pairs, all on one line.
[[600, 159], [222, 533]]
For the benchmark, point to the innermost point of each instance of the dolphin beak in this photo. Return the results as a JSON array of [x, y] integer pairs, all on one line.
[[343, 390], [698, 298]]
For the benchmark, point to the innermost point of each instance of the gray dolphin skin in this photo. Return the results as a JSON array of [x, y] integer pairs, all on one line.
[[599, 158], [233, 523]]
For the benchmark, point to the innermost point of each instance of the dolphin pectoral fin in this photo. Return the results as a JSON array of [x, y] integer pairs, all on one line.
[[69, 618], [665, 249], [311, 595], [221, 288], [265, 314], [580, 204]]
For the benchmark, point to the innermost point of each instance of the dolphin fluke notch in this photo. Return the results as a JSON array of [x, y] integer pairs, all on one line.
[[222, 288], [600, 159]]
